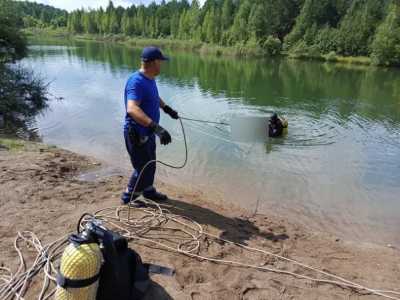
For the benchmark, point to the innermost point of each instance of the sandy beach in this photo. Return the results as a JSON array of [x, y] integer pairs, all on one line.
[[41, 192]]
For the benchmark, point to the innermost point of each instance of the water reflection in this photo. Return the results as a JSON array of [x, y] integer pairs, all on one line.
[[284, 84]]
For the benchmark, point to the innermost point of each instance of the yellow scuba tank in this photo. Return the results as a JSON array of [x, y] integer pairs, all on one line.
[[78, 278], [110, 272], [285, 123]]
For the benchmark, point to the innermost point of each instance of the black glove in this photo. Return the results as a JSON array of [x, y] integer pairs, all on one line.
[[165, 137], [172, 113]]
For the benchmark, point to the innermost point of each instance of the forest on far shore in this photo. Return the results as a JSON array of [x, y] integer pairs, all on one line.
[[369, 28]]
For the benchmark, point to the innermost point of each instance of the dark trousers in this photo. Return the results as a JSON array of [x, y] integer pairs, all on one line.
[[140, 154]]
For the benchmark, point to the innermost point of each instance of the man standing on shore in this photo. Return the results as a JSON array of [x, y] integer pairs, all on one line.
[[143, 103]]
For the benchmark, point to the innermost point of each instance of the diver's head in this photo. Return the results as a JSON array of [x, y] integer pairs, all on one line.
[[274, 116]]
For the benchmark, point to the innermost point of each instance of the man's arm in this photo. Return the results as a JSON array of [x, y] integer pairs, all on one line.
[[136, 113], [133, 109], [162, 103], [168, 110]]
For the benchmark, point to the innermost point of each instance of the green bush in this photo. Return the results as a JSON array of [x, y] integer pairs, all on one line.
[[314, 51], [300, 49], [272, 46], [22, 95], [326, 39]]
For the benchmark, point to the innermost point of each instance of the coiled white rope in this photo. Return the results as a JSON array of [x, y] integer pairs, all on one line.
[[157, 218], [151, 225]]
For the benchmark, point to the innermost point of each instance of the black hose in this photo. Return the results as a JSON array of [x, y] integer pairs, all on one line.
[[78, 229], [163, 163]]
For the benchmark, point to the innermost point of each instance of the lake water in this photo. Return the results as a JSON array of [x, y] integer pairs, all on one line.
[[337, 169]]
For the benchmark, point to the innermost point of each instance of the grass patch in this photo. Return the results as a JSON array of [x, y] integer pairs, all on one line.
[[16, 144], [47, 32], [332, 58], [360, 60], [12, 144]]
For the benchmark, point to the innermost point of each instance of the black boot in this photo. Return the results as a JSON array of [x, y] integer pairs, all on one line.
[[155, 196]]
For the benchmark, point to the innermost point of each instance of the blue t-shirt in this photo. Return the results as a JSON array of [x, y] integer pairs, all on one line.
[[144, 90]]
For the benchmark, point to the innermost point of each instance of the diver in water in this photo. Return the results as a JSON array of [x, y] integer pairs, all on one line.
[[276, 126]]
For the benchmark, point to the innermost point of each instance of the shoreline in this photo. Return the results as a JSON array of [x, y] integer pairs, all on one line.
[[41, 192], [203, 48]]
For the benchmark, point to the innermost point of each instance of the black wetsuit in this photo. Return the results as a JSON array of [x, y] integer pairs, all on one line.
[[275, 127]]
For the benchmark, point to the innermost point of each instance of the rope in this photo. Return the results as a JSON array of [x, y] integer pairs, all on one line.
[[204, 121], [152, 226], [16, 285], [194, 231]]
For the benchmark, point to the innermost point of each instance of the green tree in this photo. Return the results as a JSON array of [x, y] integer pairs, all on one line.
[[256, 22], [60, 21], [30, 21], [75, 22], [127, 24], [43, 15], [227, 14], [113, 23], [99, 15], [347, 27], [240, 31], [89, 22], [357, 28], [386, 44], [164, 16], [211, 27], [279, 16], [194, 21], [175, 25], [140, 21], [12, 41], [110, 7], [105, 23], [315, 14], [184, 26]]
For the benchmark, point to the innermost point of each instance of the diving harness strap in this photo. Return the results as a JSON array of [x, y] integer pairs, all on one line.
[[65, 282]]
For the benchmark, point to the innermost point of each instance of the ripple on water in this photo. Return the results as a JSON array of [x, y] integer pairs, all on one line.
[[307, 130]]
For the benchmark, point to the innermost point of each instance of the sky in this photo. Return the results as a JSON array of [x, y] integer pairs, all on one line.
[[75, 4]]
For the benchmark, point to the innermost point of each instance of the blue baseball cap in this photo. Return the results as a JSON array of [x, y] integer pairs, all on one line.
[[152, 53]]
